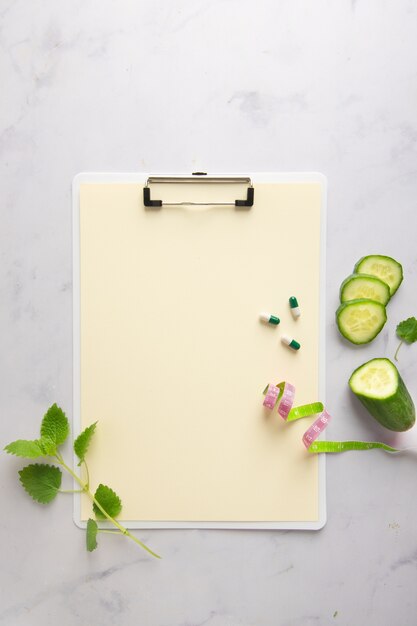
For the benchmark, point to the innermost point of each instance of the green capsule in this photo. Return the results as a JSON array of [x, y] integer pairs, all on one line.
[[291, 343], [295, 309], [270, 319]]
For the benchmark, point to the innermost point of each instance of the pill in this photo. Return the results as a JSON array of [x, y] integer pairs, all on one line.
[[295, 309], [269, 319], [291, 343]]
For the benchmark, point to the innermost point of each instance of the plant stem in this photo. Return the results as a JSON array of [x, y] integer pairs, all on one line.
[[396, 353], [85, 489], [88, 473]]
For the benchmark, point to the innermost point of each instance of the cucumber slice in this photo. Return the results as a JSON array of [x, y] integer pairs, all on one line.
[[380, 388], [364, 286], [361, 320], [383, 267]]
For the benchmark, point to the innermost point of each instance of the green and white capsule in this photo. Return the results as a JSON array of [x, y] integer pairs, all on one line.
[[295, 309], [270, 319], [291, 343]]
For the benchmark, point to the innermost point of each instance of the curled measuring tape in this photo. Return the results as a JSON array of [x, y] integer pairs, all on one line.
[[283, 395]]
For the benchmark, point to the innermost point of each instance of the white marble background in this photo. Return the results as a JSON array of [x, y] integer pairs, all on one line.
[[221, 85]]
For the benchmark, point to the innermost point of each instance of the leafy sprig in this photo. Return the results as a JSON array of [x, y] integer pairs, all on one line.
[[407, 332], [43, 481]]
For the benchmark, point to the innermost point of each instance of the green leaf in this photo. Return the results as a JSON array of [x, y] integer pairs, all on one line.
[[109, 500], [83, 441], [55, 425], [48, 446], [41, 481], [91, 536], [25, 448], [407, 330]]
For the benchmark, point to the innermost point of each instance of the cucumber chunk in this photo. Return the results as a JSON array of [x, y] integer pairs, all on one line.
[[361, 320], [383, 267], [364, 286], [380, 388]]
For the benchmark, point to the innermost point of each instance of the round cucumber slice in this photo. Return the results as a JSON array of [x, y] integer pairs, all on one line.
[[358, 286], [380, 388], [361, 320], [383, 267]]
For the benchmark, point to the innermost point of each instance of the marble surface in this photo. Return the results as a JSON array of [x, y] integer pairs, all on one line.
[[222, 85]]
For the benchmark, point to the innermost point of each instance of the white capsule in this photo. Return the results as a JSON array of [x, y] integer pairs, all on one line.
[[269, 318], [291, 343], [295, 309]]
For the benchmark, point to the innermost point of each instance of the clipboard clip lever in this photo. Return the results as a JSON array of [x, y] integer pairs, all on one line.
[[202, 178]]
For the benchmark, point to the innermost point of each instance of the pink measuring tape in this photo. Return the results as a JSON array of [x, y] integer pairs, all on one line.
[[283, 394], [316, 429]]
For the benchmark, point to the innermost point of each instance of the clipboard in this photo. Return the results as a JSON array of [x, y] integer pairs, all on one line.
[[170, 275]]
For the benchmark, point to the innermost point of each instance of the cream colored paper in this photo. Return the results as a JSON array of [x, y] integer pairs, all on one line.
[[174, 358]]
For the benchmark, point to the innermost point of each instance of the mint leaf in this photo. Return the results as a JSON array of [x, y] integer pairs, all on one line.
[[48, 446], [83, 441], [91, 536], [55, 425], [25, 448], [109, 500], [41, 481], [407, 330]]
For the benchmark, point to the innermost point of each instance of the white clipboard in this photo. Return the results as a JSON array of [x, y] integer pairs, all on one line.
[[186, 359]]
